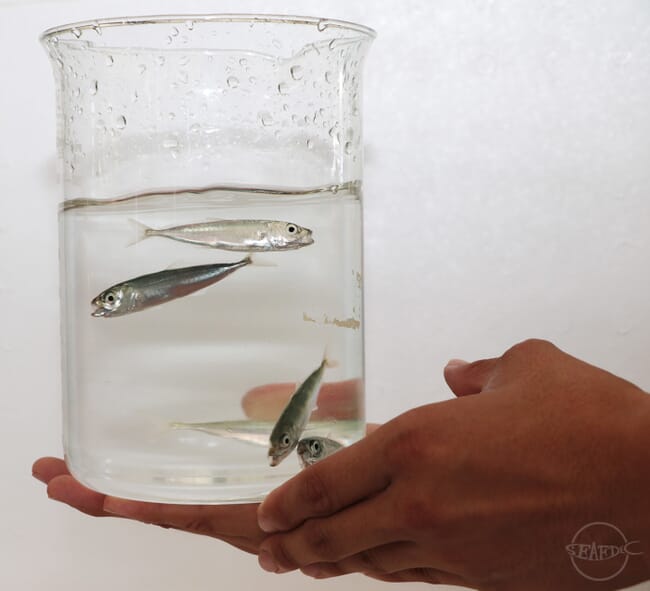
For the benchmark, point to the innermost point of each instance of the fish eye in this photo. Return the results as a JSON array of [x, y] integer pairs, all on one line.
[[292, 229], [110, 298], [315, 447], [285, 440]]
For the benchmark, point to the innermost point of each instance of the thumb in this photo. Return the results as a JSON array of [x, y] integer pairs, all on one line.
[[466, 378]]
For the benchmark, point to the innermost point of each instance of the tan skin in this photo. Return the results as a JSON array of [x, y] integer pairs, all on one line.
[[483, 491]]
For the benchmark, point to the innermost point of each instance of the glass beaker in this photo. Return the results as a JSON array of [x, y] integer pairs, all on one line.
[[210, 249]]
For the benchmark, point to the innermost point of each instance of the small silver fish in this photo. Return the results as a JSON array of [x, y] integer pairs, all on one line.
[[256, 432], [294, 417], [236, 235], [153, 289], [313, 449]]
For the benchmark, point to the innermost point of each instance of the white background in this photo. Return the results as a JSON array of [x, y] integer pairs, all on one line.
[[507, 195]]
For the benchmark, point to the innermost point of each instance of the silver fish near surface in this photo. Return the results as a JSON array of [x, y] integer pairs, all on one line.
[[293, 419], [154, 289], [313, 449], [235, 235], [256, 432]]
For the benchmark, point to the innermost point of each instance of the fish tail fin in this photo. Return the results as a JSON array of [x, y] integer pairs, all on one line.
[[328, 362], [140, 230]]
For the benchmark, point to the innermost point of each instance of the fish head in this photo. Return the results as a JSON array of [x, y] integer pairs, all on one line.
[[287, 235], [281, 446], [108, 303]]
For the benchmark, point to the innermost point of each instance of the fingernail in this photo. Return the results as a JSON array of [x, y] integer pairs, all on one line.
[[38, 476], [266, 524], [454, 363], [313, 571], [266, 562]]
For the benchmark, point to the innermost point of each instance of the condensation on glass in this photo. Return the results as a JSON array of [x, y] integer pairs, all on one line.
[[180, 120]]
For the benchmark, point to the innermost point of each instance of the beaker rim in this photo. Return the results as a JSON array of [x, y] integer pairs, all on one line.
[[320, 23]]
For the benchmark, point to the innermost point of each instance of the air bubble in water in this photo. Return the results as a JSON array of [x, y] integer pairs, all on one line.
[[283, 88], [142, 68], [76, 92], [109, 60], [76, 32], [232, 81], [161, 60], [195, 128], [175, 31], [310, 144], [348, 147], [120, 122], [170, 143], [94, 87], [266, 119], [329, 77], [322, 25], [296, 72]]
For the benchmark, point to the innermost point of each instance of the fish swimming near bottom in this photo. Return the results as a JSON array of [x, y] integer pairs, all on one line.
[[293, 419], [154, 289], [313, 449]]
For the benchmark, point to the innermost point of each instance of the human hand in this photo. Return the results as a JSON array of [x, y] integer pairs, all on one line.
[[234, 524], [484, 491]]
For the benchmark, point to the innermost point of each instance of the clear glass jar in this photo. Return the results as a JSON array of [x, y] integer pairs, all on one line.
[[238, 138]]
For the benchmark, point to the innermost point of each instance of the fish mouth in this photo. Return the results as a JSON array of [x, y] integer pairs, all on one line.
[[99, 312], [307, 240]]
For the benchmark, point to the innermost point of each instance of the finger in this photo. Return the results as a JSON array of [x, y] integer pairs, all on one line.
[[331, 539], [336, 400], [326, 487], [401, 558], [371, 427], [415, 575], [423, 575], [219, 521], [45, 469], [66, 489], [465, 378]]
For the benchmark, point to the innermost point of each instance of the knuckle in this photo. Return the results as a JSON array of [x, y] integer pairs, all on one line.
[[369, 563], [315, 494], [280, 554], [317, 541], [529, 347]]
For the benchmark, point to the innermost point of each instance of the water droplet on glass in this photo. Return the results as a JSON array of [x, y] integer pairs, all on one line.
[[76, 92], [184, 60], [120, 122], [232, 81], [175, 31], [329, 77], [190, 25], [266, 119], [171, 115], [296, 72], [252, 79], [285, 108], [183, 77], [276, 43], [76, 32], [135, 96], [333, 130], [322, 25], [109, 60], [348, 147], [168, 40], [97, 28], [94, 87], [170, 143], [161, 60], [195, 128], [142, 68], [59, 62], [243, 62], [283, 88], [310, 144]]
